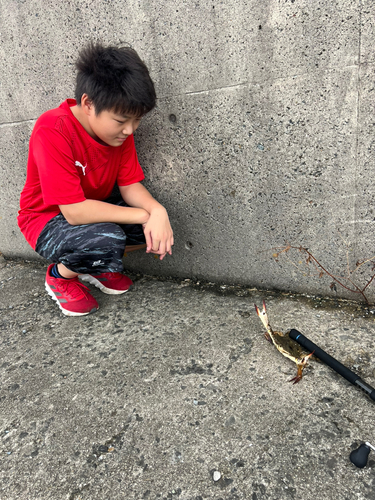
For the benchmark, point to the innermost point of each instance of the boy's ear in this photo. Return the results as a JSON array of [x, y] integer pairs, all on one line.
[[87, 105]]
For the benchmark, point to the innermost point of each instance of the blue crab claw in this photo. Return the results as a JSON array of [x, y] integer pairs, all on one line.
[[262, 315]]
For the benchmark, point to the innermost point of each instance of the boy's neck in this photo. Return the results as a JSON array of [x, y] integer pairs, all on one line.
[[79, 114]]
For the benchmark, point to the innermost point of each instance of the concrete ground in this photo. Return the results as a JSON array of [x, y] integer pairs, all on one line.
[[163, 386]]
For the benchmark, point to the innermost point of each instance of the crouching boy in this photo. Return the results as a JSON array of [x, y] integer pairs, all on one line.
[[78, 152]]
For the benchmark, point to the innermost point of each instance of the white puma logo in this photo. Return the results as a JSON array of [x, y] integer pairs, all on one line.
[[78, 164]]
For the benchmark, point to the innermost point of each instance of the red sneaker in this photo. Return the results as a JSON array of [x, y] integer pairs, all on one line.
[[72, 297], [111, 283]]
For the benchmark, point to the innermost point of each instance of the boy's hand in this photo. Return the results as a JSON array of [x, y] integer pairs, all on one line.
[[158, 233], [157, 229]]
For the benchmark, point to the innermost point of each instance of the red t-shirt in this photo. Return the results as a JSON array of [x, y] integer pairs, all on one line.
[[66, 165]]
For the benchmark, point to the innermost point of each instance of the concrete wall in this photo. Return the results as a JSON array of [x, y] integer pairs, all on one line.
[[263, 131]]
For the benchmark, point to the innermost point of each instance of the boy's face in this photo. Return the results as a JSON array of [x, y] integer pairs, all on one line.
[[110, 128]]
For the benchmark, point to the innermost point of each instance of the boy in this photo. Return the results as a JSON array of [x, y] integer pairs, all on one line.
[[77, 153]]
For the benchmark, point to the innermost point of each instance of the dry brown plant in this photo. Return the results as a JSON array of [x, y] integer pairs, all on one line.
[[349, 280]]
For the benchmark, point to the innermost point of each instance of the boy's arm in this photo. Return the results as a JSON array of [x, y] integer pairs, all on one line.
[[157, 230], [91, 211]]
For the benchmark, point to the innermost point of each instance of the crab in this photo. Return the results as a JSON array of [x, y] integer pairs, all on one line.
[[284, 344]]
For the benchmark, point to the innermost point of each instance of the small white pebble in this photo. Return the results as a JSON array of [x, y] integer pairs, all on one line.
[[217, 475]]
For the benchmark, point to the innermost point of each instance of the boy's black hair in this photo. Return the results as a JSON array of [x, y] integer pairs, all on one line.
[[114, 78]]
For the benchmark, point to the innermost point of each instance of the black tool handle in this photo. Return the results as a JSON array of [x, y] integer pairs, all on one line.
[[359, 457], [342, 370]]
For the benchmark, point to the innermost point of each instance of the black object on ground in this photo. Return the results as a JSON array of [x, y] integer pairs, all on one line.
[[342, 370], [359, 456]]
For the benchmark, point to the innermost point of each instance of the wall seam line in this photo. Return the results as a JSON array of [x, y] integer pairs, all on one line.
[[356, 165], [14, 124]]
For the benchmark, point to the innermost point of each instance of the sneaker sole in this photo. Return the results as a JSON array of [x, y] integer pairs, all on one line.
[[99, 284], [65, 311]]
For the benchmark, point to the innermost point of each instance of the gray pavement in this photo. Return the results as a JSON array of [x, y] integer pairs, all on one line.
[[163, 386]]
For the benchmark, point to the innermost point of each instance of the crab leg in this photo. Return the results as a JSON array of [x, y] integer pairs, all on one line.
[[300, 367]]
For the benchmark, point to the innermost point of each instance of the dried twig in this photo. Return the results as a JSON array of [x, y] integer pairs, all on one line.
[[346, 282]]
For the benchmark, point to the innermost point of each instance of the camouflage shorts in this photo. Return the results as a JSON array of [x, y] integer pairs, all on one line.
[[88, 248]]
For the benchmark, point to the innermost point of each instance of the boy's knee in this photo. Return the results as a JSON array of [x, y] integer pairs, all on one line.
[[109, 233]]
